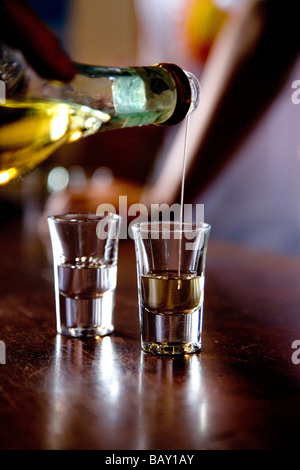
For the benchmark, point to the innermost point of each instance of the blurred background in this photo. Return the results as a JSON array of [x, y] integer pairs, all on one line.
[[244, 140]]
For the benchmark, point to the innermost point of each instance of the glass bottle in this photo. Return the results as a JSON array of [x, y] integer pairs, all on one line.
[[38, 116]]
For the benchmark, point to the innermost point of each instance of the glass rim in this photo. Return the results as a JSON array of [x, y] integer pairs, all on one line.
[[81, 217], [175, 226]]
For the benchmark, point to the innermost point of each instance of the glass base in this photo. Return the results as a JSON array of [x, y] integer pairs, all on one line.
[[86, 318], [171, 349], [81, 332], [171, 334]]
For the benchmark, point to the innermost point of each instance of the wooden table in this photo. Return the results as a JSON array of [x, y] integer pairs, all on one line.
[[241, 392]]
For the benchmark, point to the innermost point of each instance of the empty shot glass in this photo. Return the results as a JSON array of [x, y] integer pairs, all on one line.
[[85, 253], [170, 271]]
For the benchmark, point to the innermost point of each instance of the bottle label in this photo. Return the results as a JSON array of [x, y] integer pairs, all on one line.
[[129, 95]]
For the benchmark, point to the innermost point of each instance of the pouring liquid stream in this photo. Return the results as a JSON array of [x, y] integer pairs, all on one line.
[[187, 120]]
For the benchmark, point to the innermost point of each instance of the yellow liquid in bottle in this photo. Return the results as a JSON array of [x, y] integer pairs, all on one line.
[[31, 130]]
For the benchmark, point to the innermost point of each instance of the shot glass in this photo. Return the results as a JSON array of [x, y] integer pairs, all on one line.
[[85, 253], [170, 272]]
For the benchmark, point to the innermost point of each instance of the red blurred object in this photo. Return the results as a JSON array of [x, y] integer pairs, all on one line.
[[202, 22]]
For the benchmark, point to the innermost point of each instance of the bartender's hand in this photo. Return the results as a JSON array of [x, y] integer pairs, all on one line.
[[22, 29]]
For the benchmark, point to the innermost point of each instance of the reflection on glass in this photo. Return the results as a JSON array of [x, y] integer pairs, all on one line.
[[107, 391], [171, 392], [84, 385], [106, 374]]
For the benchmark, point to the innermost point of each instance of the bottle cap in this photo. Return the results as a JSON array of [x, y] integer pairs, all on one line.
[[188, 92]]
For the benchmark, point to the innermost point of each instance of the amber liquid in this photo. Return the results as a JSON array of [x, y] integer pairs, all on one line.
[[171, 312], [167, 293]]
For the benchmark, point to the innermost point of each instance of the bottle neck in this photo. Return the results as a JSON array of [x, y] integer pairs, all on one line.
[[184, 93]]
